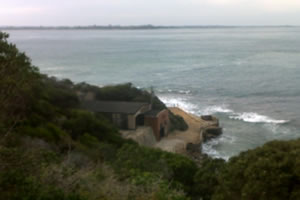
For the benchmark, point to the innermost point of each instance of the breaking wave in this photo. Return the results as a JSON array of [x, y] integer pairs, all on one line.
[[214, 109], [180, 103], [174, 91], [210, 149], [250, 117], [256, 118]]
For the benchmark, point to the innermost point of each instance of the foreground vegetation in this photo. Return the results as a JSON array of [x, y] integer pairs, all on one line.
[[52, 149]]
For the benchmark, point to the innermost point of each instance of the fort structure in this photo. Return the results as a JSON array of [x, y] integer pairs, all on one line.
[[130, 115]]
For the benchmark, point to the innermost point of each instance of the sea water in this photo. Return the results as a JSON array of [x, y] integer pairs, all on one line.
[[249, 77]]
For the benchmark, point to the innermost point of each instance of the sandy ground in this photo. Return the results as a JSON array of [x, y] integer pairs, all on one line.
[[176, 141], [142, 135]]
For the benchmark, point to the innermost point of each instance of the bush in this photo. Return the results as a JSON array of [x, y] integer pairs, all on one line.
[[60, 93], [206, 178], [134, 161], [177, 122], [81, 122], [48, 132], [268, 172], [17, 80], [89, 140]]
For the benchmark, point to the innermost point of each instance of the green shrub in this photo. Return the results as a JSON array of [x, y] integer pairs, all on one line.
[[135, 161], [89, 140], [17, 80], [177, 123], [108, 152], [267, 172], [48, 132], [206, 178], [81, 122]]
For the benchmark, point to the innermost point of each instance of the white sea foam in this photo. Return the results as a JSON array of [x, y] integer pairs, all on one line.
[[227, 139], [174, 91], [255, 118], [250, 117], [184, 104], [215, 109], [209, 149], [180, 103], [184, 91]]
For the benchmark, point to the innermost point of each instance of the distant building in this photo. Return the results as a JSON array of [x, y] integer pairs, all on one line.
[[158, 120], [129, 115]]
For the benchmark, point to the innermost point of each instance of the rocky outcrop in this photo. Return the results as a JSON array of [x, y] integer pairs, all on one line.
[[207, 117], [212, 131], [194, 152], [211, 119]]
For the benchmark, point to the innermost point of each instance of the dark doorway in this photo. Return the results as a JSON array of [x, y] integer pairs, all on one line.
[[124, 121], [162, 132], [140, 120]]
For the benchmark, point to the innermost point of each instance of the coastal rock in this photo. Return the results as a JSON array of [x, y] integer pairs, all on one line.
[[194, 152], [211, 119], [193, 148], [207, 117], [211, 133]]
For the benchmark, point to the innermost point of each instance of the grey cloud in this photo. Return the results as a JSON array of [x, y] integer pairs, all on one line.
[[158, 12]]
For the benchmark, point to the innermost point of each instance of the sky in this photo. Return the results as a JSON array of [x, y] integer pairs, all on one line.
[[155, 12]]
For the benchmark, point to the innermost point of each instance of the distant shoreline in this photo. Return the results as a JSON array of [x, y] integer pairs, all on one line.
[[138, 27]]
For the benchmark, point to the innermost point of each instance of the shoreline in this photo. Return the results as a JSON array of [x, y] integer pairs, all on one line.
[[187, 143], [177, 141]]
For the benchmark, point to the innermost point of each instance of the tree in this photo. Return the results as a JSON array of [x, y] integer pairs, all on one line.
[[206, 178], [17, 77], [268, 172]]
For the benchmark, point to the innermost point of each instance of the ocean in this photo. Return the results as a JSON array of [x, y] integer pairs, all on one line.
[[249, 77]]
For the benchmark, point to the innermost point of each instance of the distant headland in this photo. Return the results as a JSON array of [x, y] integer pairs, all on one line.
[[131, 27]]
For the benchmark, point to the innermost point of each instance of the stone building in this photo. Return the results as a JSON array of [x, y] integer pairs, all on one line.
[[158, 120], [129, 115]]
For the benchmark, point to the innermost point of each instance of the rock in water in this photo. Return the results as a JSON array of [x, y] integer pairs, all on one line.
[[211, 119], [211, 133], [207, 117]]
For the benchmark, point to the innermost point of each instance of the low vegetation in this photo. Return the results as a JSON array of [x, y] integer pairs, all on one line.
[[268, 172], [50, 149]]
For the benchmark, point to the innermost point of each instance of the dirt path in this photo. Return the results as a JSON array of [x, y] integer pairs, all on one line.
[[176, 141]]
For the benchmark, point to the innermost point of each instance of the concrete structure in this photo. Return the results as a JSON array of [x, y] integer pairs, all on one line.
[[122, 114], [159, 121], [129, 115]]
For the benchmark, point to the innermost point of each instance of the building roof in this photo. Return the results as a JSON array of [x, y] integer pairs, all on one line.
[[113, 106]]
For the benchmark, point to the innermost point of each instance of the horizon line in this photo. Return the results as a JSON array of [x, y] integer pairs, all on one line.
[[146, 26]]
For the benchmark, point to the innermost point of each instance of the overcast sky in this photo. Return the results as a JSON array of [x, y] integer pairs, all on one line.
[[156, 12]]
